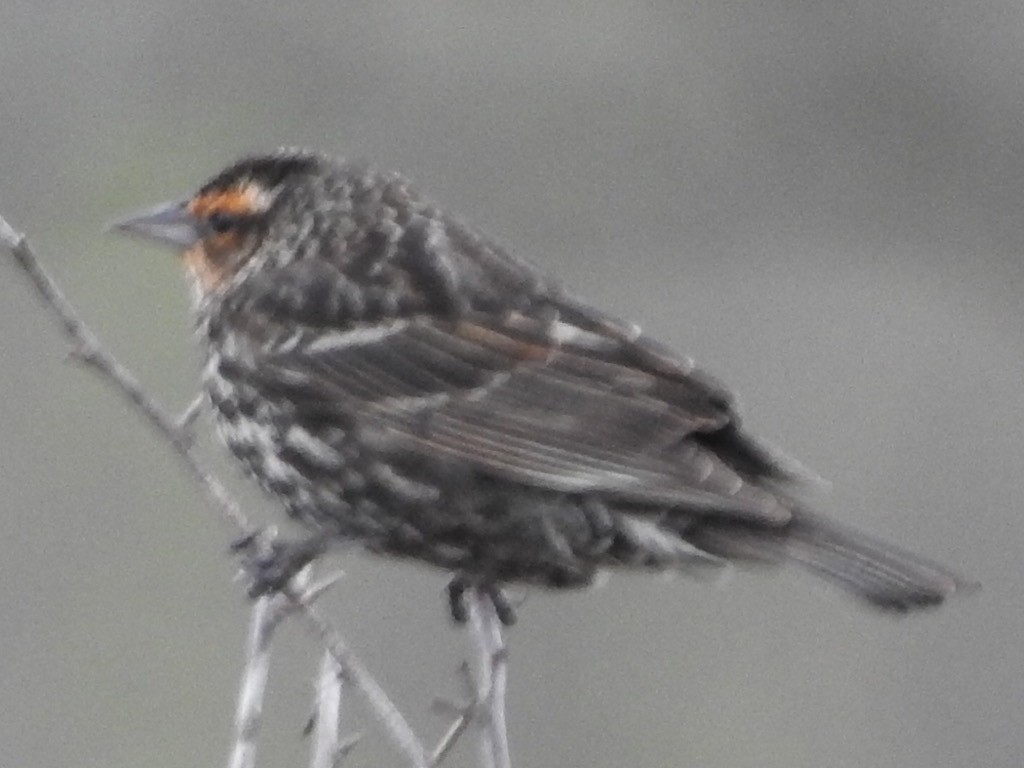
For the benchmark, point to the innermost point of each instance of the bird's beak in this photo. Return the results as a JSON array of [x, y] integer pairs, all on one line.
[[168, 223]]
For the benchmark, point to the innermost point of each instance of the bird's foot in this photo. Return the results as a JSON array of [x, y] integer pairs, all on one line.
[[457, 598], [459, 609], [271, 563]]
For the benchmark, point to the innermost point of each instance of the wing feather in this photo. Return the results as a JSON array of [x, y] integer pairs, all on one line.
[[532, 401]]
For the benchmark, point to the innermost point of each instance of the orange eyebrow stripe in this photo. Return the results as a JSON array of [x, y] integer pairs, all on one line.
[[238, 201]]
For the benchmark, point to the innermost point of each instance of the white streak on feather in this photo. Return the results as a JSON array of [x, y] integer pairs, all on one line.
[[359, 336], [664, 545], [312, 448], [404, 487], [275, 469], [567, 333]]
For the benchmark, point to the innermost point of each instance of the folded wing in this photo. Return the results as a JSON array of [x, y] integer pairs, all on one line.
[[543, 401]]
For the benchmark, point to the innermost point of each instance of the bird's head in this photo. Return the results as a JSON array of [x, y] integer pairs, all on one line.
[[220, 227]]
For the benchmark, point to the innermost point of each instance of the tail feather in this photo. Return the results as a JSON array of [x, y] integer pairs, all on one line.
[[884, 575]]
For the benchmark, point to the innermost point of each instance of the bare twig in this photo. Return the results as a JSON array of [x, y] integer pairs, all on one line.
[[320, 586], [187, 418], [267, 613], [490, 671], [87, 347], [452, 735], [464, 712], [249, 712], [326, 746], [355, 672]]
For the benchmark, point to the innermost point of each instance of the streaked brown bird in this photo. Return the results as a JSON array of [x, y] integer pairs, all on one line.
[[400, 381]]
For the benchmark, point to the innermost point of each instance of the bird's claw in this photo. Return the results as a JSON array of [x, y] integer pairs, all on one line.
[[459, 610], [272, 564]]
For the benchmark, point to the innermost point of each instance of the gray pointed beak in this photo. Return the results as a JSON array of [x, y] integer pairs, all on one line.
[[168, 223]]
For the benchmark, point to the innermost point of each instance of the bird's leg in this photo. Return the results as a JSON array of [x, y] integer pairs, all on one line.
[[457, 598], [457, 588], [271, 563], [502, 605]]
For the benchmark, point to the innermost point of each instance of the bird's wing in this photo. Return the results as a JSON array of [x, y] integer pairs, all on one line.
[[557, 401]]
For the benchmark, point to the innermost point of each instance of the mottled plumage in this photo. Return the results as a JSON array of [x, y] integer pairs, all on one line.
[[399, 381]]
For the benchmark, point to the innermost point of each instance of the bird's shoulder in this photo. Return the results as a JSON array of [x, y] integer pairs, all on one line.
[[415, 270]]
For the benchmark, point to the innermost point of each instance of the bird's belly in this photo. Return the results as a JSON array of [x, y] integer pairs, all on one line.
[[395, 501], [305, 468]]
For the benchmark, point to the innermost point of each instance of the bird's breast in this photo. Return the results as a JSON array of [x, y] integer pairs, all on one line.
[[308, 465]]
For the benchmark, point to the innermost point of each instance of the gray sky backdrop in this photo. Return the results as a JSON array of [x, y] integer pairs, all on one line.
[[820, 201]]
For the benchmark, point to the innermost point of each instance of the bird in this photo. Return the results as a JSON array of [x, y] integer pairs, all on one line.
[[402, 383]]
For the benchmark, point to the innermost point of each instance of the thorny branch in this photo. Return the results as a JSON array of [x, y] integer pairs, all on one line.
[[267, 614], [490, 674], [328, 748], [484, 695], [341, 666], [265, 617]]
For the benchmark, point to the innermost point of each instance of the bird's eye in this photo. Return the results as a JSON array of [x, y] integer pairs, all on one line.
[[221, 222]]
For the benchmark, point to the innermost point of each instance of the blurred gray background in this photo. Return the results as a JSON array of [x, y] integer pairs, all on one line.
[[820, 201]]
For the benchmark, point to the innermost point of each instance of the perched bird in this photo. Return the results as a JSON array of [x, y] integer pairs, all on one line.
[[401, 382]]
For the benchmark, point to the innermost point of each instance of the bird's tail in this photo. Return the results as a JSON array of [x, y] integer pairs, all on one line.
[[882, 574]]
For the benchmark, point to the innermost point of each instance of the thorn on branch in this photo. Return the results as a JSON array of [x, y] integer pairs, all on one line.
[[475, 707], [345, 747], [82, 353], [467, 701], [186, 420], [320, 587]]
